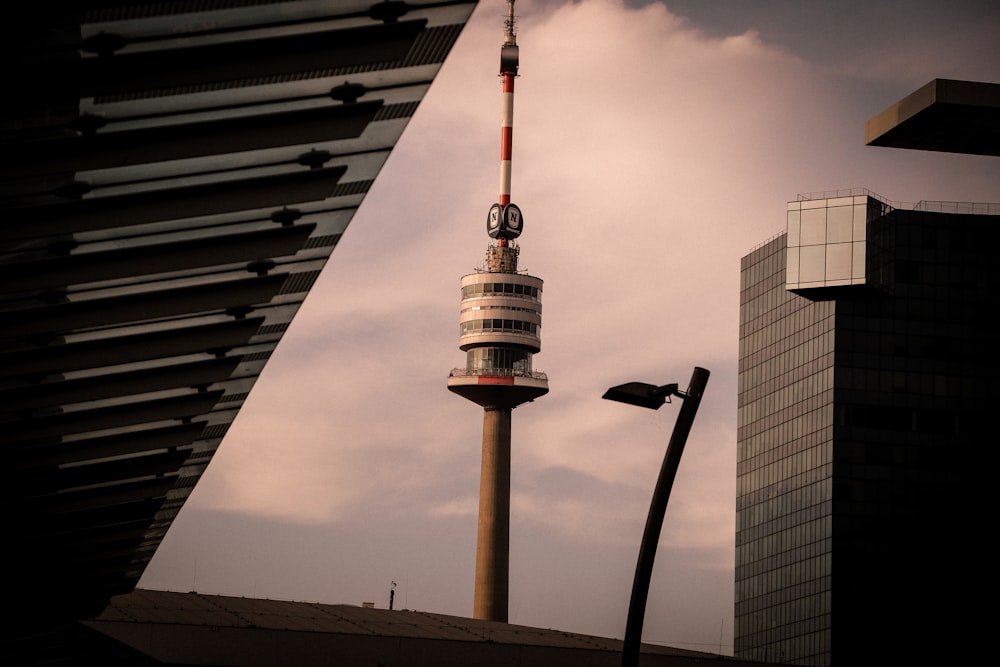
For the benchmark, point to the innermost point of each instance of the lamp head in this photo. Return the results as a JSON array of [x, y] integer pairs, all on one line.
[[642, 394]]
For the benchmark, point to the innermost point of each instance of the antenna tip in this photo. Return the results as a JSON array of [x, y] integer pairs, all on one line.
[[509, 32]]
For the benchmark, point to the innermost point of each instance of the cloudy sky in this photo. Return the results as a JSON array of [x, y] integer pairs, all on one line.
[[655, 143]]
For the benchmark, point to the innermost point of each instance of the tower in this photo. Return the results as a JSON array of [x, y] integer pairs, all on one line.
[[501, 313]]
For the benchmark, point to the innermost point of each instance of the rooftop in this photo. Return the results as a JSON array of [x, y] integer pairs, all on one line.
[[192, 628]]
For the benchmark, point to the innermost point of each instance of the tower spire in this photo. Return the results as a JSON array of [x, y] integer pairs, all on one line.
[[509, 32], [499, 224], [501, 314]]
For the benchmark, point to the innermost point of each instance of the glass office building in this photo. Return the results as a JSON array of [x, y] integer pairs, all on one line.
[[867, 372]]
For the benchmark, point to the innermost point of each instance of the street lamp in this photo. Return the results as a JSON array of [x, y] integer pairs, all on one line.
[[641, 394], [653, 396]]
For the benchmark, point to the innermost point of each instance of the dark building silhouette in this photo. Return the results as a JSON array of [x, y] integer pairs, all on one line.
[[868, 372], [173, 178]]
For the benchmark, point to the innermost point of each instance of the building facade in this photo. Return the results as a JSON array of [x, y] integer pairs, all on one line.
[[168, 198], [867, 372]]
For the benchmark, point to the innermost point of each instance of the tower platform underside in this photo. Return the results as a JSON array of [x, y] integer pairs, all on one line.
[[500, 391]]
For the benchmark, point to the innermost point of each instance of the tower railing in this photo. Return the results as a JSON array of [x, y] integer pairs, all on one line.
[[967, 208], [497, 372], [961, 207]]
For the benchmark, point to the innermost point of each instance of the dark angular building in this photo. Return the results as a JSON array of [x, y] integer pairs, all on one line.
[[866, 379], [173, 178], [868, 369]]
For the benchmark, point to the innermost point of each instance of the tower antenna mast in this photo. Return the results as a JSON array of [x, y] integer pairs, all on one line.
[[508, 72]]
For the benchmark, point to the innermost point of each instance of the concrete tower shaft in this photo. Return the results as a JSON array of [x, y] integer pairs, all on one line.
[[493, 532]]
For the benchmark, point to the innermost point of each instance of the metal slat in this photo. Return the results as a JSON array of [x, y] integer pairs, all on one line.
[[137, 208], [209, 338], [89, 526], [39, 397], [93, 267], [120, 444], [251, 61], [234, 295], [188, 140], [128, 414], [73, 502], [40, 482]]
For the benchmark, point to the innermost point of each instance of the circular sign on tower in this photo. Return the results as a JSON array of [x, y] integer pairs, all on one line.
[[504, 222], [512, 219], [494, 220]]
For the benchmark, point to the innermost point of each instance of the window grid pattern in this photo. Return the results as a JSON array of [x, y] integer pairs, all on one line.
[[826, 242], [496, 324], [498, 361], [784, 467], [500, 288]]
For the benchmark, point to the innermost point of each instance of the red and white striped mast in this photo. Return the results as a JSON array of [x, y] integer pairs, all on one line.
[[504, 221], [508, 72]]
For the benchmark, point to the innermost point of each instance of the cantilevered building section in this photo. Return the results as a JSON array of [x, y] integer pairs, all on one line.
[[173, 177], [944, 115], [501, 315]]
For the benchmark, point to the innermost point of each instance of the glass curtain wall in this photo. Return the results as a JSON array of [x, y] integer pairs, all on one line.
[[784, 467]]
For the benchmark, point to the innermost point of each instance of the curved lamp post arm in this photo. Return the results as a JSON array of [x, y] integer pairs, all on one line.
[[657, 510]]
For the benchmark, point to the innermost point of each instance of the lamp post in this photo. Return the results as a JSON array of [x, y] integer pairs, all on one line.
[[652, 396]]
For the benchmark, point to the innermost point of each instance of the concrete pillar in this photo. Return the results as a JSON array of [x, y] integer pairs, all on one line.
[[493, 546]]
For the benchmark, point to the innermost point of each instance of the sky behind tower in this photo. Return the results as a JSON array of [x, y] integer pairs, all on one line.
[[655, 143]]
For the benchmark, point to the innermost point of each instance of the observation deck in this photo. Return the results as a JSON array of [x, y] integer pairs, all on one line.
[[499, 388], [499, 330]]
